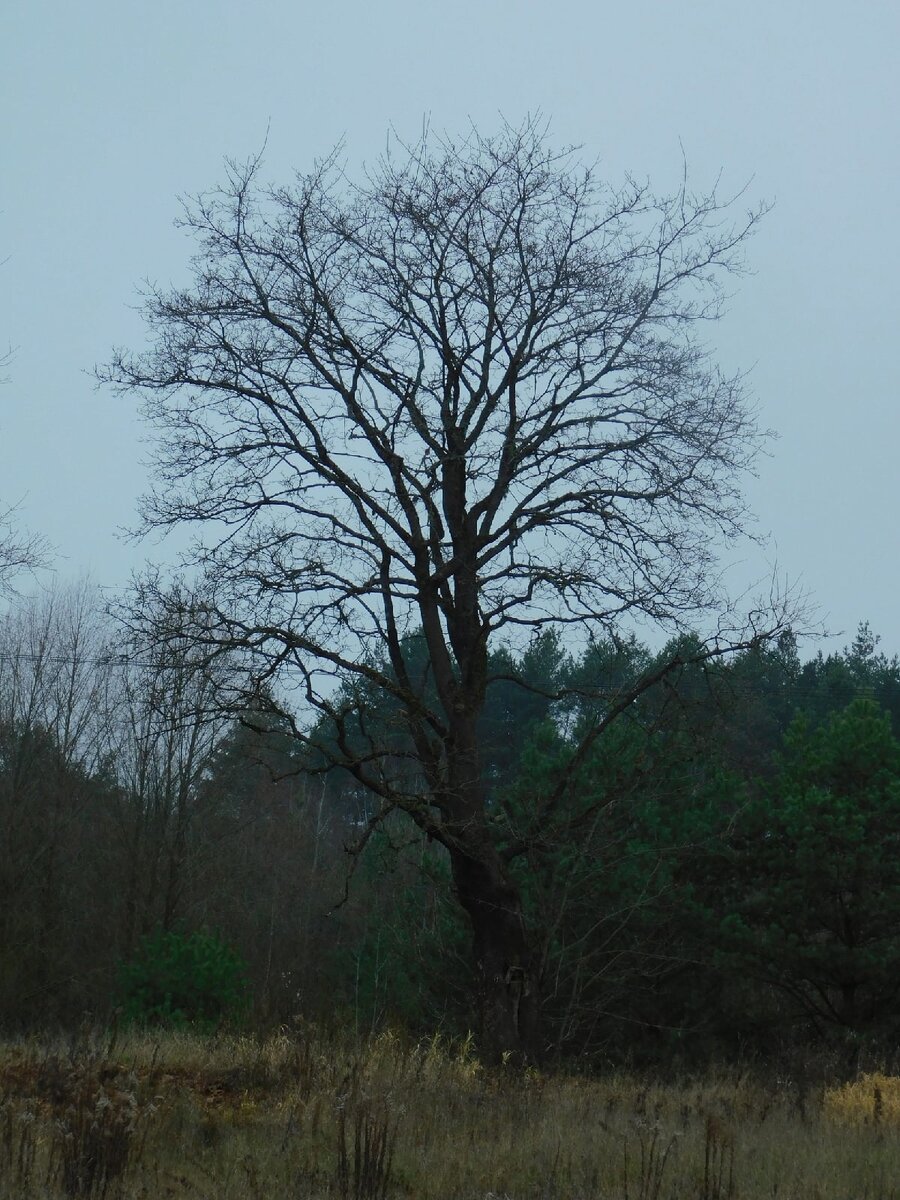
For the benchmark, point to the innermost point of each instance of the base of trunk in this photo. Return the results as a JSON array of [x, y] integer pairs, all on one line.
[[508, 992]]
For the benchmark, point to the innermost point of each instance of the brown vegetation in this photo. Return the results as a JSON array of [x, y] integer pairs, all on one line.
[[299, 1115]]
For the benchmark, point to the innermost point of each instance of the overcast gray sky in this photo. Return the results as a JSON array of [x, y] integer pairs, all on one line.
[[112, 110]]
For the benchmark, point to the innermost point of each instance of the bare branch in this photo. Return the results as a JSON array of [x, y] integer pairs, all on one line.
[[20, 553], [469, 394]]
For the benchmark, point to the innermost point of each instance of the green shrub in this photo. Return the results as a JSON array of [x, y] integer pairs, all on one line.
[[181, 979]]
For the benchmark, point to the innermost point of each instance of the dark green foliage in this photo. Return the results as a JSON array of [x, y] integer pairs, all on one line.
[[405, 961], [518, 700], [52, 811], [827, 684], [180, 979], [609, 885], [629, 880], [810, 883]]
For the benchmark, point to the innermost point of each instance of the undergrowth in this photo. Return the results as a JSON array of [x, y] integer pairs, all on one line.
[[302, 1116]]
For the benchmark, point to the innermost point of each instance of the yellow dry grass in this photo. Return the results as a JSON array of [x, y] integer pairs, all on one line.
[[872, 1099], [301, 1116]]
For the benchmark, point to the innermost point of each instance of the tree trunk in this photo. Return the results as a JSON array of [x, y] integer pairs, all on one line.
[[505, 966], [506, 975]]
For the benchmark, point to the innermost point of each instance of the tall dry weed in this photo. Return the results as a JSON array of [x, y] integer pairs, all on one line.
[[718, 1160], [644, 1173], [18, 1147], [365, 1138], [98, 1135]]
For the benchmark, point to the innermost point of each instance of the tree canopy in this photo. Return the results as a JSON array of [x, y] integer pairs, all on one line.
[[466, 398]]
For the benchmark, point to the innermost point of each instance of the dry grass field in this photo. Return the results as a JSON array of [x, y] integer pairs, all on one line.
[[299, 1116]]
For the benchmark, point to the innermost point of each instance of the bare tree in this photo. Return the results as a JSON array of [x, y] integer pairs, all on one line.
[[103, 763], [54, 747], [467, 396], [19, 552], [166, 734]]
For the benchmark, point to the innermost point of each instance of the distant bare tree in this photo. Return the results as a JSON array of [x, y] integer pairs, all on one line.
[[467, 396], [165, 732], [54, 744], [102, 773], [20, 553]]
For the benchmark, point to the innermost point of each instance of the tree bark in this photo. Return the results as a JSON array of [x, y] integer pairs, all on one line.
[[506, 970]]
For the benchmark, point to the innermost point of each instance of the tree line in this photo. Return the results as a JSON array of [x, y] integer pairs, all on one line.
[[720, 873]]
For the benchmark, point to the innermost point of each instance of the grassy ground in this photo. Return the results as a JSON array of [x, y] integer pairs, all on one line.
[[301, 1117]]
